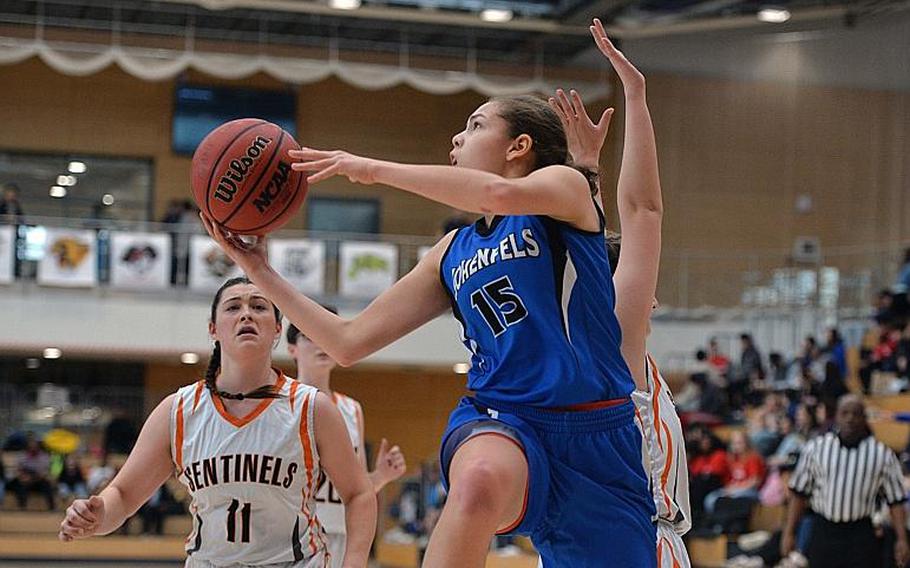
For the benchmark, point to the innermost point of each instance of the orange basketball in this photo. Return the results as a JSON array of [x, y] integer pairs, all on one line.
[[242, 177]]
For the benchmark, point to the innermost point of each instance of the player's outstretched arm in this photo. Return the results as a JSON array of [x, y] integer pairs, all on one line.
[[640, 207], [147, 467], [413, 301], [553, 191], [337, 458]]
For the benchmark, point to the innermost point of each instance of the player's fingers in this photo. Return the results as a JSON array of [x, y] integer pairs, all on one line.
[[88, 508], [80, 510], [71, 528], [315, 165], [577, 104], [305, 153], [554, 104], [324, 174], [565, 103], [605, 118]]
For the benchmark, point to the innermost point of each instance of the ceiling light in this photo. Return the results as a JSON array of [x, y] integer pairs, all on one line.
[[774, 15], [496, 15], [461, 368], [344, 4], [189, 358], [107, 199], [58, 191], [32, 363], [76, 167], [52, 353], [66, 181]]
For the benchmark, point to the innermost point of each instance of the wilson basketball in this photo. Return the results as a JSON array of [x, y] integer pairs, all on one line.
[[242, 177]]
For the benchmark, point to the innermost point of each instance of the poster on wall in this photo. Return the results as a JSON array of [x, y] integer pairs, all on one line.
[[301, 262], [367, 269], [7, 252], [209, 265], [140, 260], [70, 258]]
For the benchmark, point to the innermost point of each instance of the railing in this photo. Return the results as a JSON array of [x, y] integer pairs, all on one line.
[[840, 283]]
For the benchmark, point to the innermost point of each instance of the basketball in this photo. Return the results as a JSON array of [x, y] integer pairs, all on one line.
[[242, 177]]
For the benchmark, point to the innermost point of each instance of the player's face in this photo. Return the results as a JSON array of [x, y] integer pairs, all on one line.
[[483, 144], [245, 319], [309, 356]]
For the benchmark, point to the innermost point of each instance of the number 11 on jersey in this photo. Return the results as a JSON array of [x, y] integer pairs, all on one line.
[[245, 514]]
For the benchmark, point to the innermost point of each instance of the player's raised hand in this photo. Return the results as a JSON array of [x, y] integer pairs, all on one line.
[[83, 517], [248, 254], [633, 81], [585, 138], [390, 462], [323, 164]]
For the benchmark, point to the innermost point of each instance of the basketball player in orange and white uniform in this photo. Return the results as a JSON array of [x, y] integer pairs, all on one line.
[[314, 368], [635, 278], [664, 458], [250, 457]]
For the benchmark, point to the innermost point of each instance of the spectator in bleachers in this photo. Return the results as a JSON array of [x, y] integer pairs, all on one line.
[[778, 371], [751, 371], [703, 394], [764, 426], [832, 388], [2, 478], [120, 433], [100, 475], [796, 432], [809, 352], [746, 472], [10, 207], [155, 510], [32, 474], [708, 468], [717, 359], [71, 482], [902, 354], [835, 350], [903, 276]]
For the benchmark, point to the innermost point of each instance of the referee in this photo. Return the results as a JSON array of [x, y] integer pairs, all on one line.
[[841, 475]]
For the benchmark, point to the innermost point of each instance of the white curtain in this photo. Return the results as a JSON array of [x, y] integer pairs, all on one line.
[[161, 64]]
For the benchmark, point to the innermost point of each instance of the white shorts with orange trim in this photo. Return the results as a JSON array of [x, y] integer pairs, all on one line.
[[318, 561], [335, 543], [671, 551]]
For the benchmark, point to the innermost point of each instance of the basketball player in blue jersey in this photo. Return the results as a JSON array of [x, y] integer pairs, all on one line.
[[547, 446]]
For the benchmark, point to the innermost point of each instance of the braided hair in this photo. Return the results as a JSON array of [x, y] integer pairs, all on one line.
[[214, 367]]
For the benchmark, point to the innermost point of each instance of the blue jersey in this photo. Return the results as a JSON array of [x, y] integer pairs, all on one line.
[[535, 300]]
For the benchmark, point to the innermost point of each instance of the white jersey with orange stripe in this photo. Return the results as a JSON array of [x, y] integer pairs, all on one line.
[[329, 507], [663, 450], [252, 479]]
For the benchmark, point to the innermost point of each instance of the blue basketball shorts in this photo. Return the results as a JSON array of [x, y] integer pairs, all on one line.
[[588, 502]]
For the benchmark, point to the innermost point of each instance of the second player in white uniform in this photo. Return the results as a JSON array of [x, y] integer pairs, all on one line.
[[635, 277], [314, 367], [664, 459], [250, 457]]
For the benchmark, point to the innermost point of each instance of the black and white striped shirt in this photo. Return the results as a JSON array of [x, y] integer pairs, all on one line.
[[842, 483]]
